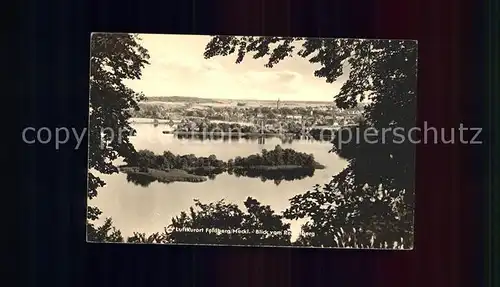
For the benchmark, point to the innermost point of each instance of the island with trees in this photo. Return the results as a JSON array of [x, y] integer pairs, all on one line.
[[277, 164], [232, 130], [168, 167], [213, 128]]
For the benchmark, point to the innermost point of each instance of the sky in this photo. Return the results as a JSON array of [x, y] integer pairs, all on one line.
[[178, 68]]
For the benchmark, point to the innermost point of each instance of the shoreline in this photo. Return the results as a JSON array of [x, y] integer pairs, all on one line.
[[172, 175], [189, 174]]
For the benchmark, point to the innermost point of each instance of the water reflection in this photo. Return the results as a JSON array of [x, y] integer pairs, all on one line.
[[211, 174], [277, 176], [260, 139], [140, 179], [224, 138]]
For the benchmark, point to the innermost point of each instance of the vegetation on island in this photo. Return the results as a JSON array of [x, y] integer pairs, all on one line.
[[141, 180], [368, 204], [211, 127], [168, 160], [165, 176], [278, 158], [146, 167], [278, 164]]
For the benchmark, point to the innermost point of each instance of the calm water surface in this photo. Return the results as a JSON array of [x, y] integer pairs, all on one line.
[[149, 209]]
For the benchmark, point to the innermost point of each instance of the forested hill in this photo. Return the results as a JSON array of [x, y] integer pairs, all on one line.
[[181, 99]]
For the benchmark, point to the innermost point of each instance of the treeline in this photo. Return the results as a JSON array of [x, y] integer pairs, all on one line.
[[205, 126], [278, 158], [168, 160], [234, 128], [161, 111], [176, 99]]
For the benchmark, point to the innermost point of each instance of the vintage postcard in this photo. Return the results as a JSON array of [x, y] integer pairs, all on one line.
[[251, 141]]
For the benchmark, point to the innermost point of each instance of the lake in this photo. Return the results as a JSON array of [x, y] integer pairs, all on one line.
[[149, 209]]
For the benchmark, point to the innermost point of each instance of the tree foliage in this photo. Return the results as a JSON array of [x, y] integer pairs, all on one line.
[[221, 217], [374, 195], [168, 160], [114, 58], [104, 233], [277, 157], [210, 223]]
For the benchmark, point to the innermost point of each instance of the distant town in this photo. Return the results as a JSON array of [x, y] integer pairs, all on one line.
[[202, 114]]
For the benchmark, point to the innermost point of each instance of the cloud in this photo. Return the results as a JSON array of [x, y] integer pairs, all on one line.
[[178, 68], [288, 76], [211, 66]]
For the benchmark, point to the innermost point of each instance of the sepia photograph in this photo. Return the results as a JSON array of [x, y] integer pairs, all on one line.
[[251, 141]]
